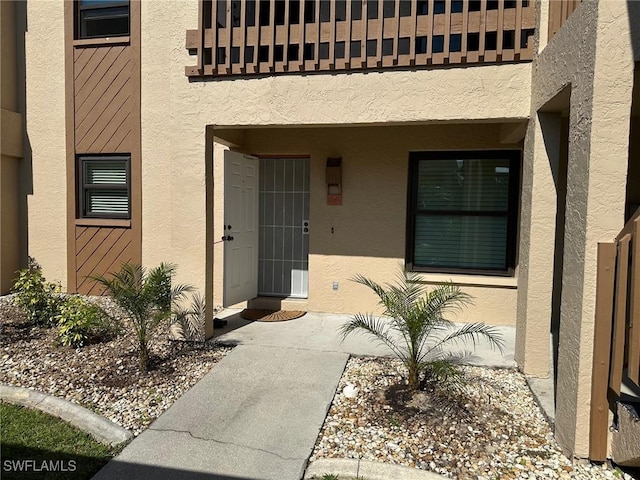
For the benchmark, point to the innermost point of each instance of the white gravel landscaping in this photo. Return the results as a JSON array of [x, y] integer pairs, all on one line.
[[497, 432], [103, 377]]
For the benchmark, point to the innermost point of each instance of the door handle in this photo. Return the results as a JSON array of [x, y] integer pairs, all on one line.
[[227, 238]]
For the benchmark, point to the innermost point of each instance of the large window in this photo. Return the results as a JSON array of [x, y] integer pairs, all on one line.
[[101, 18], [104, 186], [462, 211]]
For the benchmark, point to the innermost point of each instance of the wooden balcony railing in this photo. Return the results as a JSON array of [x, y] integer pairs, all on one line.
[[559, 12], [616, 345], [243, 37]]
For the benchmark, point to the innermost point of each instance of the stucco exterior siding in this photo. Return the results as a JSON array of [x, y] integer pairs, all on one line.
[[580, 57], [176, 111], [45, 128]]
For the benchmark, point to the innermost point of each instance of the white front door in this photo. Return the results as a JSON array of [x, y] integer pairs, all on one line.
[[241, 176]]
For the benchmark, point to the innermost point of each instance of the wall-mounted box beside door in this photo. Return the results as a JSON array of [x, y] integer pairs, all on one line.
[[334, 181]]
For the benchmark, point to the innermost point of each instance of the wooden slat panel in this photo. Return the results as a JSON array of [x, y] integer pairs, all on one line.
[[124, 145], [285, 52], [107, 105], [84, 237], [396, 33], [112, 63], [214, 36], [379, 33], [559, 13], [447, 31], [347, 36], [272, 33], [599, 420], [500, 28], [98, 130], [494, 21], [113, 251], [253, 39], [243, 30], [465, 29], [317, 37], [634, 309], [83, 255], [200, 53], [518, 34], [94, 108], [102, 89], [563, 11], [118, 129], [89, 267], [85, 70], [82, 56], [301, 38], [115, 254], [86, 92], [364, 33], [619, 317], [332, 37], [483, 29], [229, 38]]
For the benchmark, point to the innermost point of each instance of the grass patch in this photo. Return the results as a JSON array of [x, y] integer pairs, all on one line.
[[36, 446]]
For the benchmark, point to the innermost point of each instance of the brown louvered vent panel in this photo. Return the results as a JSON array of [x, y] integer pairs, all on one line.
[[103, 90], [244, 37], [99, 251]]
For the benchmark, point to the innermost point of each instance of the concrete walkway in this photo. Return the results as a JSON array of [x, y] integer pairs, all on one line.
[[257, 414]]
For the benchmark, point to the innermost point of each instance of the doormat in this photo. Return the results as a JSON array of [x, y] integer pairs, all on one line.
[[259, 315]]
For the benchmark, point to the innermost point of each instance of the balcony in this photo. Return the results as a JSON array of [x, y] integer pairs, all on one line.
[[249, 37]]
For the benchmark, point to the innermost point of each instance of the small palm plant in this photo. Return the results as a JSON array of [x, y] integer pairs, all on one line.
[[190, 322], [417, 331], [147, 297]]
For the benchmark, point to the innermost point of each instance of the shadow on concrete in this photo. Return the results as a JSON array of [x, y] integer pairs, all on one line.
[[234, 321]]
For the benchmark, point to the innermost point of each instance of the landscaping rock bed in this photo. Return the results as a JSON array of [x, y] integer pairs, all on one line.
[[103, 377], [497, 431]]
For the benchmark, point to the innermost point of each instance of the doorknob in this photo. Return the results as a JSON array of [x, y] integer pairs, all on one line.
[[227, 238]]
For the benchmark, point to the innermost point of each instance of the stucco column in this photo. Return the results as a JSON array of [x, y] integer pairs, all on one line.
[[537, 242], [596, 190]]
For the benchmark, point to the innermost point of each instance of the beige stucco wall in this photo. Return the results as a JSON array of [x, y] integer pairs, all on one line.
[[45, 126], [591, 54], [176, 111], [369, 228], [10, 150]]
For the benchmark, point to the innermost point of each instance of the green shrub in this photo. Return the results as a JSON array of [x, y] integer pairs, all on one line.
[[80, 321], [148, 298], [191, 321], [417, 331], [37, 298]]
